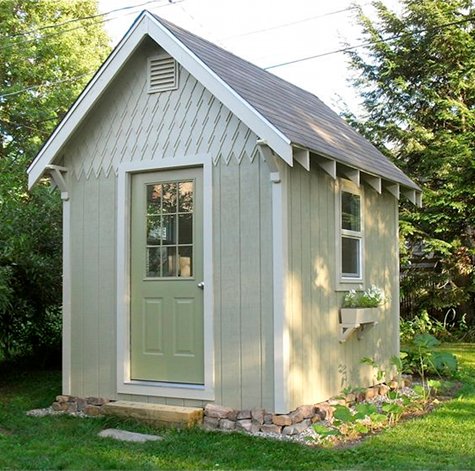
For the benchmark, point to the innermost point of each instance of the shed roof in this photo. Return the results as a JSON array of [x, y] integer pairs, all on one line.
[[301, 116], [278, 111]]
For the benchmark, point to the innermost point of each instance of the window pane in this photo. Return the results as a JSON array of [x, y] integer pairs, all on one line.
[[350, 212], [169, 197], [185, 197], [154, 197], [185, 228], [350, 257], [185, 264]]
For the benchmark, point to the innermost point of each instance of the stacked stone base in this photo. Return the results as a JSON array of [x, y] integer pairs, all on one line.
[[258, 420], [91, 406]]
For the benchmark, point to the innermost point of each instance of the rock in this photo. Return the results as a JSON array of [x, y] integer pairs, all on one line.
[[296, 416], [62, 398], [316, 418], [71, 407], [81, 404], [350, 398], [268, 419], [407, 380], [295, 429], [244, 424], [371, 393], [210, 423], [92, 411], [96, 401], [219, 412], [393, 384], [125, 436], [258, 415], [307, 411], [337, 402], [281, 420], [226, 424], [384, 389], [324, 410], [271, 428], [243, 414], [59, 406]]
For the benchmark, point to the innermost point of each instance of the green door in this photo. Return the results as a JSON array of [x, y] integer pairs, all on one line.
[[166, 305]]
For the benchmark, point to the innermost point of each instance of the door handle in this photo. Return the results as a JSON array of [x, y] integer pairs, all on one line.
[[201, 285]]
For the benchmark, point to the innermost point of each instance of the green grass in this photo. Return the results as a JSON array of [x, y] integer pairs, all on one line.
[[444, 439]]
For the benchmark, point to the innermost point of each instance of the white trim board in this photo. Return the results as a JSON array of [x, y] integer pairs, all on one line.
[[124, 384]]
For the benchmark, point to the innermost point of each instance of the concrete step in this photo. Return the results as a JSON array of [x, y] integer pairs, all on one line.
[[156, 414]]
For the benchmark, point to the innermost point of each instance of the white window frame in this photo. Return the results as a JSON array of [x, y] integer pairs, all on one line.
[[349, 282], [125, 385]]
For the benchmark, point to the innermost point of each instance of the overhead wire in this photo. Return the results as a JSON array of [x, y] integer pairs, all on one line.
[[370, 43]]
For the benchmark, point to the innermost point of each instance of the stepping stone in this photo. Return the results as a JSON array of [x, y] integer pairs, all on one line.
[[125, 436]]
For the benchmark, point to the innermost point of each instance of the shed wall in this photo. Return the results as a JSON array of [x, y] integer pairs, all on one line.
[[128, 124], [319, 366]]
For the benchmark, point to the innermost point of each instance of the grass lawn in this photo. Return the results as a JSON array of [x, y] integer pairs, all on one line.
[[444, 439]]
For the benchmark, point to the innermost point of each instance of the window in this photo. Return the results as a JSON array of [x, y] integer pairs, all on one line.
[[351, 235]]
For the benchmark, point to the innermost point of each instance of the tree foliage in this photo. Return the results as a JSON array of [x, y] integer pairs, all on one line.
[[46, 59], [416, 79]]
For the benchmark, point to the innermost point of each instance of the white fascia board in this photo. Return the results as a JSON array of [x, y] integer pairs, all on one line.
[[87, 99], [276, 140]]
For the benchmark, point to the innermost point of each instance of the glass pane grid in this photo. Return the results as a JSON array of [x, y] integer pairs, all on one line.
[[169, 230]]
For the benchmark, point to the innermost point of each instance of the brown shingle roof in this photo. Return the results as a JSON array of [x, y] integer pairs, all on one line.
[[302, 117]]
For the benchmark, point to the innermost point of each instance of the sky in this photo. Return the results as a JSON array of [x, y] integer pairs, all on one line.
[[268, 33]]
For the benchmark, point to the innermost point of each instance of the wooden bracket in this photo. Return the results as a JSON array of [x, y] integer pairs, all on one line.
[[57, 175], [270, 159], [348, 329]]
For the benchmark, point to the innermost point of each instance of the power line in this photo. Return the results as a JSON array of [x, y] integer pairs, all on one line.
[[90, 17], [47, 84], [370, 43], [284, 25], [14, 43]]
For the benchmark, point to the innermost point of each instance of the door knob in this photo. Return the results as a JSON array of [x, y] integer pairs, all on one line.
[[201, 285]]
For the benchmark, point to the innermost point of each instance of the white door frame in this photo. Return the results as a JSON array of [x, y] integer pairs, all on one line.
[[159, 389]]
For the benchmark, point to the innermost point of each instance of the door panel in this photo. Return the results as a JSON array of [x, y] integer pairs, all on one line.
[[166, 306]]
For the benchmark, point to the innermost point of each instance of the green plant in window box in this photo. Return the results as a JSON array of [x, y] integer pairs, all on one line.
[[360, 306]]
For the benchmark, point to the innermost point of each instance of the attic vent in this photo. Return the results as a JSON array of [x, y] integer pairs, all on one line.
[[162, 74]]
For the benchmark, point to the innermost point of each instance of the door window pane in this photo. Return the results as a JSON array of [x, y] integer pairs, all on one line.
[[185, 261], [350, 212], [169, 230]]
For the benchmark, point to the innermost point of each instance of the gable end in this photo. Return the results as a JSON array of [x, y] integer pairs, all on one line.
[[162, 73]]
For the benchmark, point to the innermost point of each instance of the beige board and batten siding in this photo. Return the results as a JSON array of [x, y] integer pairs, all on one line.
[[319, 365], [128, 125]]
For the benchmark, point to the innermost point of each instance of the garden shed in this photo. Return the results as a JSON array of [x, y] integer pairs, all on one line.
[[214, 217]]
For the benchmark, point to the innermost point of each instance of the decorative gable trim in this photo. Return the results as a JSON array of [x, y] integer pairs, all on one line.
[[162, 74]]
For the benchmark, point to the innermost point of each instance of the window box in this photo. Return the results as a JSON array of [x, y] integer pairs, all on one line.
[[358, 315]]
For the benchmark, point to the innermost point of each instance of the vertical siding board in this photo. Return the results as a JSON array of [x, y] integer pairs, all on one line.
[[217, 286], [249, 222], [91, 283], [107, 277], [266, 302], [230, 285], [77, 296], [308, 347]]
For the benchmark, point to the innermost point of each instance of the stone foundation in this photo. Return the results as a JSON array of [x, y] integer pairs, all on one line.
[[91, 406], [293, 423], [255, 420]]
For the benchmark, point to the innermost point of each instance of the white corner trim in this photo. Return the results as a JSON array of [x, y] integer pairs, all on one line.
[[86, 100], [66, 365], [280, 267], [124, 383]]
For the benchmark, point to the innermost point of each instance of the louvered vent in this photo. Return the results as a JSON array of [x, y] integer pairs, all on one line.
[[162, 74]]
